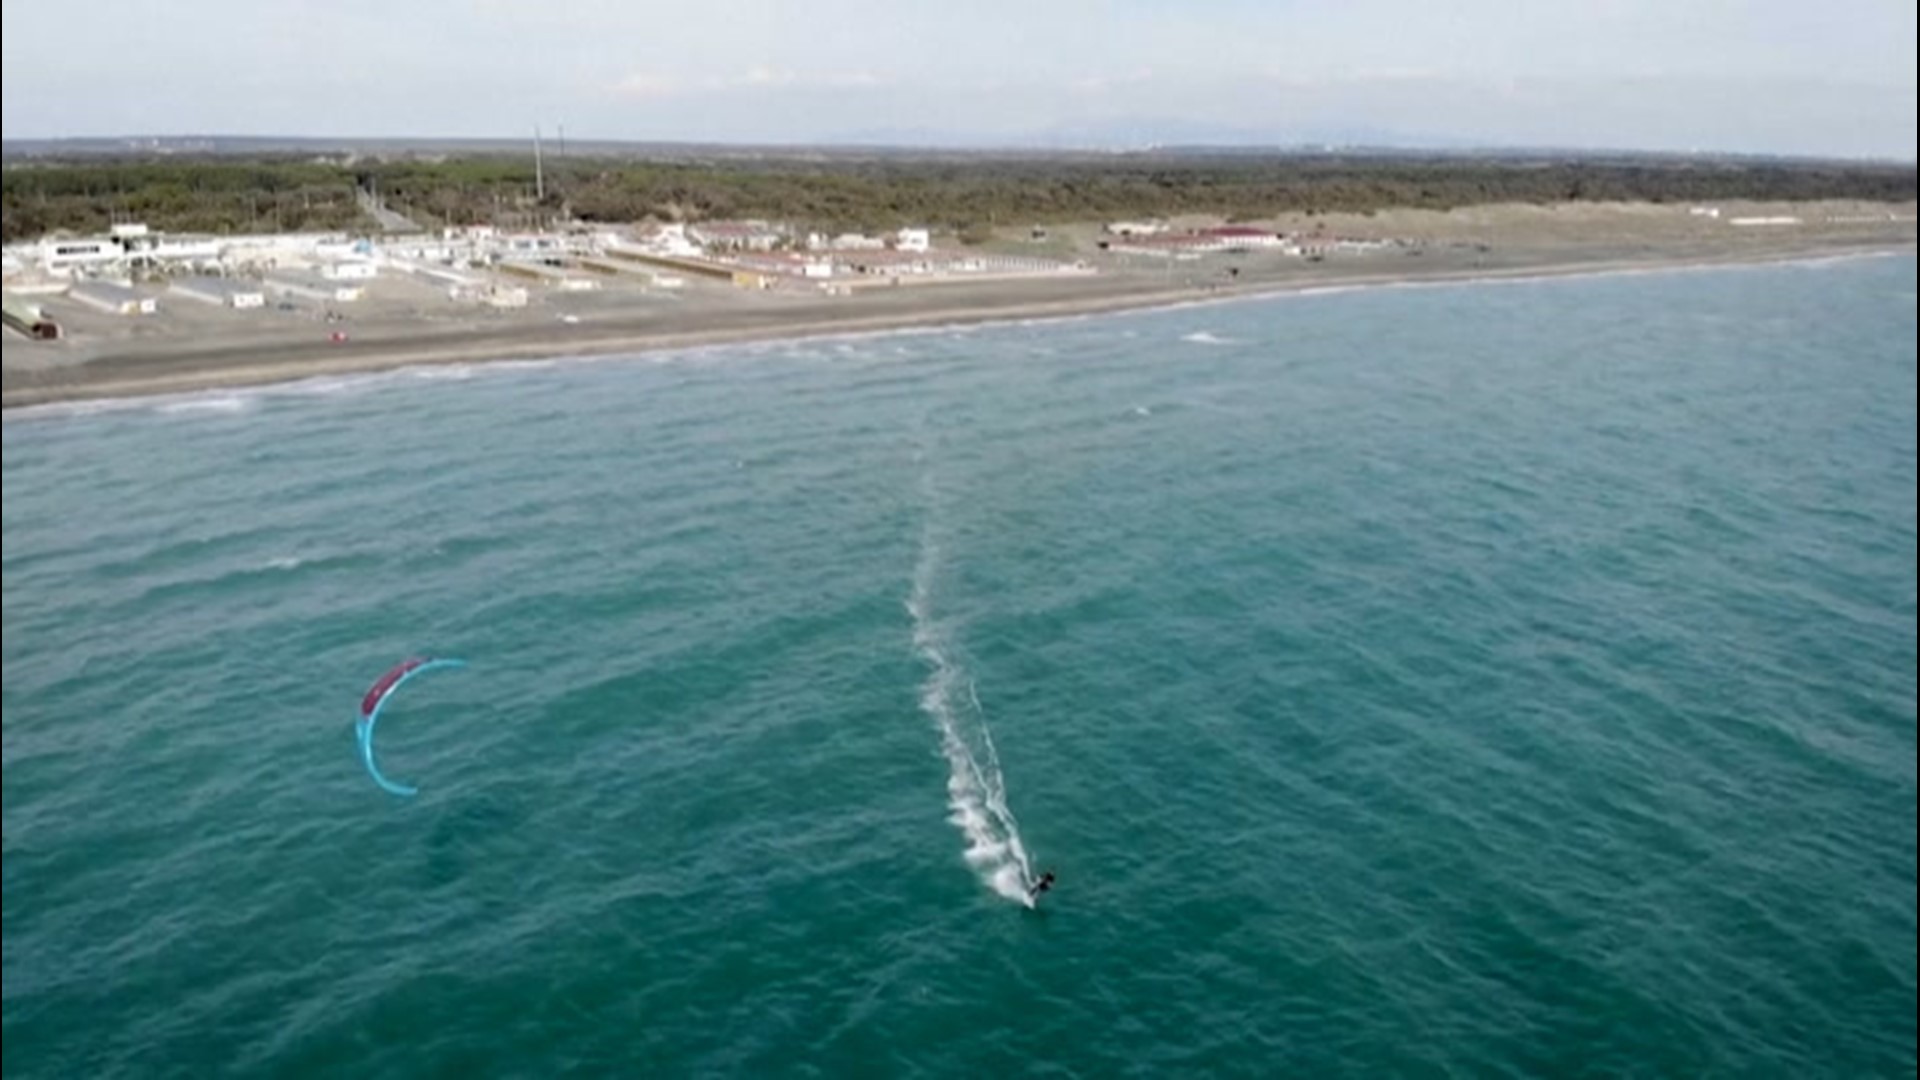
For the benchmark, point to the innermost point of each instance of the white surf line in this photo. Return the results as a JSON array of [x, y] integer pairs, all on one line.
[[976, 788]]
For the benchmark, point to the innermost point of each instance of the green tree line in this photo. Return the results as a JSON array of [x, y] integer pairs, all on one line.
[[227, 194]]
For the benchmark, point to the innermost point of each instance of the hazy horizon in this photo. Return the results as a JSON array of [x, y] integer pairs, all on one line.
[[1715, 76]]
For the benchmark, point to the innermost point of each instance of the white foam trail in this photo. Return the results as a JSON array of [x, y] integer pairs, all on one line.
[[976, 789], [1205, 337]]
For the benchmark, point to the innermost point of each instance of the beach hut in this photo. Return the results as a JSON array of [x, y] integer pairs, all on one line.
[[113, 298], [225, 292]]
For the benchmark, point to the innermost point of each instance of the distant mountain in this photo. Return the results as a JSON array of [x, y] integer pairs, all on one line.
[[1157, 136], [1134, 133]]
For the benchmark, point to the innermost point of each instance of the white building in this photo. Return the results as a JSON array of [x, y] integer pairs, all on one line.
[[912, 240], [175, 250], [1233, 237], [275, 248], [225, 292], [533, 243], [500, 296], [336, 247], [65, 256], [857, 242], [314, 288], [112, 297], [736, 235], [665, 240]]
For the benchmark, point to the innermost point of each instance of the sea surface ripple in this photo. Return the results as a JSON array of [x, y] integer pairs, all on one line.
[[1484, 680]]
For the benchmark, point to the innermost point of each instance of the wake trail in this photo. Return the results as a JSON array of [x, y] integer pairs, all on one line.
[[976, 788]]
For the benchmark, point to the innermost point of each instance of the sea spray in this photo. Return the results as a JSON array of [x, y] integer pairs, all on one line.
[[976, 788]]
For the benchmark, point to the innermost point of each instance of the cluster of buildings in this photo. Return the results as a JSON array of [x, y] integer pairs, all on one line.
[[1156, 238], [131, 270], [128, 269], [99, 272], [759, 255]]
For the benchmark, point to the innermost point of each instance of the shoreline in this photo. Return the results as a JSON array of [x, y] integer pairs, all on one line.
[[187, 369]]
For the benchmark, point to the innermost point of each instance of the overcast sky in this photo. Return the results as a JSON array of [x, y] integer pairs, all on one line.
[[1777, 76]]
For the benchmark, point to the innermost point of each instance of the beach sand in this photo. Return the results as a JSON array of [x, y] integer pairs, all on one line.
[[190, 347]]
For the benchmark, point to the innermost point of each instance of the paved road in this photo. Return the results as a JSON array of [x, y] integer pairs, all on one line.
[[389, 220]]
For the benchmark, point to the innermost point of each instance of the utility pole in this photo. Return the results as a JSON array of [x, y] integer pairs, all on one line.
[[539, 174]]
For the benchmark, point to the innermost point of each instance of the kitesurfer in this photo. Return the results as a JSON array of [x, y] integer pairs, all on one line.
[[1040, 886]]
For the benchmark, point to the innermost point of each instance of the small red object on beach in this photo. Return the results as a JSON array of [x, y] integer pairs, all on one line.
[[337, 337]]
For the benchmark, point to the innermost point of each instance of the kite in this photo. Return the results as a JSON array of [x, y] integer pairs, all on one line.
[[376, 699]]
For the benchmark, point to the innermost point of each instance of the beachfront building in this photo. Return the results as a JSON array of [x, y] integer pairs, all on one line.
[[63, 257], [490, 294], [521, 245], [765, 271], [1180, 246], [1016, 264], [621, 260], [151, 249], [223, 292], [669, 239], [1135, 228], [1226, 238], [1319, 247], [313, 287], [856, 242], [550, 275], [914, 240], [1242, 238], [735, 235], [888, 263], [112, 297], [133, 244], [288, 249], [943, 265]]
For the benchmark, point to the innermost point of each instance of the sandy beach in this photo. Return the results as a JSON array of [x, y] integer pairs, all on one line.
[[189, 348]]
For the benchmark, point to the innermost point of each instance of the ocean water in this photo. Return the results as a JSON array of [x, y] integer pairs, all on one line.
[[1481, 680]]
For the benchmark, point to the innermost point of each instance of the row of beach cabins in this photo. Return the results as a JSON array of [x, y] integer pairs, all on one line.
[[112, 297], [475, 265], [1156, 238]]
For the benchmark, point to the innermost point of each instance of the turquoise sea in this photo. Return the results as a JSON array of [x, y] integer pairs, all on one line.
[[1482, 680]]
